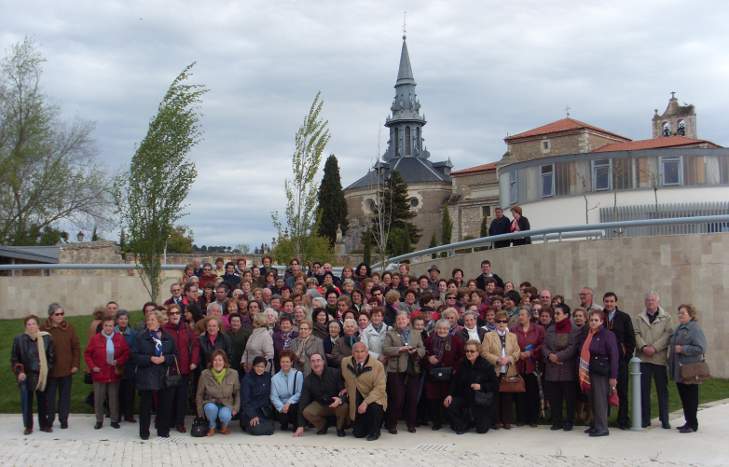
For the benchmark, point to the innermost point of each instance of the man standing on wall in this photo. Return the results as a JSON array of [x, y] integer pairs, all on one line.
[[500, 225]]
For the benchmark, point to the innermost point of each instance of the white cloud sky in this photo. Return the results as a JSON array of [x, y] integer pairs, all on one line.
[[483, 68]]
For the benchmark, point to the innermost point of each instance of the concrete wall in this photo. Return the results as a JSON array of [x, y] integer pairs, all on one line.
[[682, 269], [79, 294]]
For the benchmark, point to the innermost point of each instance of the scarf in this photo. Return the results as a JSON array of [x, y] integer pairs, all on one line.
[[109, 348], [515, 225], [43, 361], [584, 370], [157, 338], [502, 338], [219, 376], [563, 327], [377, 327], [440, 345], [404, 335]]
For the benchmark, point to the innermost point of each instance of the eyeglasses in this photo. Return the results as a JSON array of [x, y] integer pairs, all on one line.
[[503, 321], [61, 313], [471, 351], [450, 298], [173, 312]]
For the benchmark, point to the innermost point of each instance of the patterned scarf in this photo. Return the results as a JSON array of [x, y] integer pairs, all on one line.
[[42, 360], [584, 371], [157, 338]]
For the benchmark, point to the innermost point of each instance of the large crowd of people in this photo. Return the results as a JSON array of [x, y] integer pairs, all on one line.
[[361, 350]]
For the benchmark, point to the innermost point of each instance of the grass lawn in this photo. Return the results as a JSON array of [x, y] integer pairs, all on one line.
[[10, 400], [9, 395]]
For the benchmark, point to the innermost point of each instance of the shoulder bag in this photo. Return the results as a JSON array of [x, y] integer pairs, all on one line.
[[694, 373], [173, 379]]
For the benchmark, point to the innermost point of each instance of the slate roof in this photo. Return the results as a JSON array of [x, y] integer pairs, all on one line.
[[38, 254], [412, 169]]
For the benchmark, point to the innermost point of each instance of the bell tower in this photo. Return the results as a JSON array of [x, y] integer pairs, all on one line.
[[676, 120]]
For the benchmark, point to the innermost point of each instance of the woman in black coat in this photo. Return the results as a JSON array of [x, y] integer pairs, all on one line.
[[154, 354], [472, 392], [519, 224], [256, 415]]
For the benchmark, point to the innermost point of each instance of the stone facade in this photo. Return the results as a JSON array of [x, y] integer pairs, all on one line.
[[475, 196], [676, 120], [570, 142]]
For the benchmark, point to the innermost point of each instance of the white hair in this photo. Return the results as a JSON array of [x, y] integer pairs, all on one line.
[[653, 293], [212, 306]]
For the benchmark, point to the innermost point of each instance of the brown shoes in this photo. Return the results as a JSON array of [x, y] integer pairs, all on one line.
[[225, 430], [211, 432]]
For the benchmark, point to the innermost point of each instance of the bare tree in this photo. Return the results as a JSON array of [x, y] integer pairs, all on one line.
[[48, 171]]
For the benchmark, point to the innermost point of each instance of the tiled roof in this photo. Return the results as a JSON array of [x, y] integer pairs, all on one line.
[[565, 124], [475, 169], [663, 142]]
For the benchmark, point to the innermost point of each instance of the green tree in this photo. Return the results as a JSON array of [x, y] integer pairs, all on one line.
[[301, 193], [180, 240], [433, 243], [314, 247], [397, 216], [150, 196], [332, 207], [446, 227], [48, 170]]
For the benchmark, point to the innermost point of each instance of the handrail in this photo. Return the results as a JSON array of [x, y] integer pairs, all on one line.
[[476, 242], [82, 266]]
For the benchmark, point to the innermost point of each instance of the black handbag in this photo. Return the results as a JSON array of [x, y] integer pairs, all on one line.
[[599, 365], [88, 379], [199, 427], [483, 399], [441, 373], [172, 380]]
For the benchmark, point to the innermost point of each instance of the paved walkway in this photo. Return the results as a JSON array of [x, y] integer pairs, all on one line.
[[81, 445]]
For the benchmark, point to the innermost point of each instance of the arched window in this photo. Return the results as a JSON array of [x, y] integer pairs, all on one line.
[[666, 129], [418, 142], [396, 137], [408, 142], [681, 130]]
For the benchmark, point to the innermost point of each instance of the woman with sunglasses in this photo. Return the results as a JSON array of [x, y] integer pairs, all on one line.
[[501, 349], [598, 370], [472, 392]]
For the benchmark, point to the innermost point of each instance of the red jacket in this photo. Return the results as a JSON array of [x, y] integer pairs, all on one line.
[[95, 355], [187, 345], [534, 337]]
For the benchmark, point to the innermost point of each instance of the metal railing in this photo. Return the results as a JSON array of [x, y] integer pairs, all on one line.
[[717, 223]]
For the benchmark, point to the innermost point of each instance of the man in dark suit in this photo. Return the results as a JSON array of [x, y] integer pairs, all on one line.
[[176, 292], [621, 325], [485, 274], [500, 225]]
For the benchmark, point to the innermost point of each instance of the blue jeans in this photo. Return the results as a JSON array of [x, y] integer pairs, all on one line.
[[213, 412]]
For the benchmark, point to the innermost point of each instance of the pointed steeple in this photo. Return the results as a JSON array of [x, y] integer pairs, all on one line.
[[405, 72]]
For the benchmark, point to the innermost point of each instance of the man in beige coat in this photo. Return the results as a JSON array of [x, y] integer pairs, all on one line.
[[653, 329], [365, 382]]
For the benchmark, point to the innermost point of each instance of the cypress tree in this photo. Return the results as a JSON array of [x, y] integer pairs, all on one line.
[[446, 227], [332, 207]]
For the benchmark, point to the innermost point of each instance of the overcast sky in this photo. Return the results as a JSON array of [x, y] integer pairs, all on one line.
[[484, 69]]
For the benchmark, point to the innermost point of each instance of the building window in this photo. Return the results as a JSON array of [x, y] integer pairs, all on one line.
[[408, 150], [397, 141], [414, 202], [547, 181], [485, 211], [513, 187], [681, 129], [666, 129], [546, 146], [601, 179], [671, 171]]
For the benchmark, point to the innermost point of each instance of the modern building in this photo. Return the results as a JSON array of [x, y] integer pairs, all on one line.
[[429, 183], [569, 172]]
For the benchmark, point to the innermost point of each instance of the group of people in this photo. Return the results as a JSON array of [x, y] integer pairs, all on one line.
[[361, 350]]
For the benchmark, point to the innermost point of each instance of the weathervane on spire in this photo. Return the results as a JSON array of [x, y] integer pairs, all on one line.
[[404, 24]]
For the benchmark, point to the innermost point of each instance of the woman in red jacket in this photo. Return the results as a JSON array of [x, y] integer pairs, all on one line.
[[105, 357], [531, 339]]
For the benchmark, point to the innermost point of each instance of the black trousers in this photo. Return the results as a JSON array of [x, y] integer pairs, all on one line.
[[164, 411], [126, 398], [289, 418], [58, 390], [179, 405], [659, 373], [560, 394], [623, 418], [26, 403], [527, 403], [368, 423], [463, 415], [689, 394], [402, 394]]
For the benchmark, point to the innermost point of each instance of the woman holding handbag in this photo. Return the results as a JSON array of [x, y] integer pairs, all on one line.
[[686, 365], [531, 338], [501, 349], [598, 370], [443, 354], [105, 357]]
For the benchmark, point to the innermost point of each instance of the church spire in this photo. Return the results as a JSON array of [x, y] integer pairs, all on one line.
[[405, 72]]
